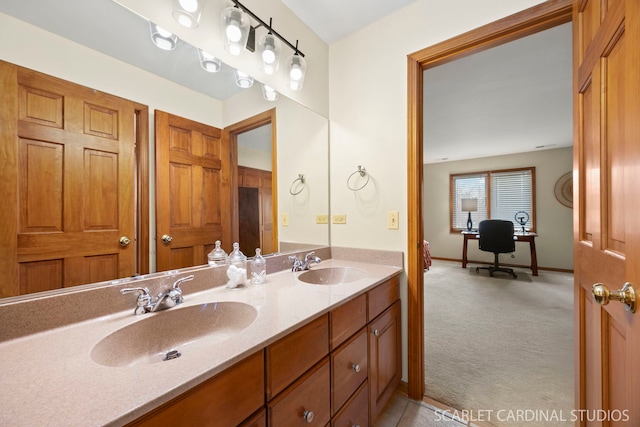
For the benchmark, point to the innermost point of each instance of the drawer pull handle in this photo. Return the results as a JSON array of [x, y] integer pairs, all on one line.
[[308, 416], [375, 332], [356, 367]]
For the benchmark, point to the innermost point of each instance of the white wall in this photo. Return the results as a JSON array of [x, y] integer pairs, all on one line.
[[554, 222], [368, 113]]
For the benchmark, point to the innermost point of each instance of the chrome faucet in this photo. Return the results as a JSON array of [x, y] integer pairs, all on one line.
[[300, 265], [167, 299]]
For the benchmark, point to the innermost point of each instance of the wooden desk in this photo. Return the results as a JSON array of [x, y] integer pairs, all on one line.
[[518, 237]]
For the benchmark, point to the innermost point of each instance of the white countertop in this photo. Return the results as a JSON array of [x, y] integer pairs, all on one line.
[[49, 378]]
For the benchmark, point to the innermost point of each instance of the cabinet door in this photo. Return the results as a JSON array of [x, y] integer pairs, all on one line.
[[385, 364], [225, 400]]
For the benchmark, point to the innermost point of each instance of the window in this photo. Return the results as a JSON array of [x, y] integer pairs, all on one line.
[[500, 195]]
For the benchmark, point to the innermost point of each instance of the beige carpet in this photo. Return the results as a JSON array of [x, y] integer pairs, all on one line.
[[500, 345]]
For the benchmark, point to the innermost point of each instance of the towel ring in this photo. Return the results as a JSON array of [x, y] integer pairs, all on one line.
[[301, 185], [362, 172]]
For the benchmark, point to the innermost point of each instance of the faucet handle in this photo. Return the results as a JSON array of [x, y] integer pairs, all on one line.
[[144, 299], [306, 257], [177, 283], [176, 291]]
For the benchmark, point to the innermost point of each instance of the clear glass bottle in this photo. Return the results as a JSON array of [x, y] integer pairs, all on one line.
[[237, 270], [258, 269], [217, 256]]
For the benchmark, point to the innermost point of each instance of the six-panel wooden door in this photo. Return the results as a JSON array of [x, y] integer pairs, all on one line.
[[193, 191], [67, 155], [607, 211]]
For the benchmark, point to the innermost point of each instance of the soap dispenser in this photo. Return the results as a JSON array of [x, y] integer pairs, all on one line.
[[217, 256], [258, 269], [237, 270]]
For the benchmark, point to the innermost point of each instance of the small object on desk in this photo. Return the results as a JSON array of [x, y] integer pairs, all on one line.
[[469, 205], [522, 218]]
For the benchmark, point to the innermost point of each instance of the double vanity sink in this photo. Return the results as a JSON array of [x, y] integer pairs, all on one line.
[[112, 369]]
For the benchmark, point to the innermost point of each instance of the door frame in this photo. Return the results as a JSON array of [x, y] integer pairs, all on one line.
[[529, 21], [259, 120]]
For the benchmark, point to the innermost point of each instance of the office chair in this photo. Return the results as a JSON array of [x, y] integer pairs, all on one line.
[[496, 236]]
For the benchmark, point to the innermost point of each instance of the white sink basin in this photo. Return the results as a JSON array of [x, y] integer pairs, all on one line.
[[150, 339], [331, 275]]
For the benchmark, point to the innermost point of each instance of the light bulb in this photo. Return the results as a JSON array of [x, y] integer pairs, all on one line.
[[189, 5], [233, 31], [296, 72], [268, 56]]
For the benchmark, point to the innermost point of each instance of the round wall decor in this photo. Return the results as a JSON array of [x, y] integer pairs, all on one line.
[[563, 190]]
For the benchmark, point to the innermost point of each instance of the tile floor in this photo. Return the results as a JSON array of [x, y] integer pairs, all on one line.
[[403, 412]]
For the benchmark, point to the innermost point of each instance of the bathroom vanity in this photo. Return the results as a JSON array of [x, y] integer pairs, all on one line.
[[289, 352]]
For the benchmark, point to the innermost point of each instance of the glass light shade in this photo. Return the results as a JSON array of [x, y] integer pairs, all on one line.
[[162, 38], [209, 62], [243, 80], [235, 25], [269, 93], [188, 12], [270, 53], [297, 71]]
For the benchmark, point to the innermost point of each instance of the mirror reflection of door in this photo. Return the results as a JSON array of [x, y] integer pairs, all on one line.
[[68, 156], [253, 146], [193, 191]]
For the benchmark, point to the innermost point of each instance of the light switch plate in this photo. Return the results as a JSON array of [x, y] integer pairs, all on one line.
[[322, 219], [392, 220], [285, 219]]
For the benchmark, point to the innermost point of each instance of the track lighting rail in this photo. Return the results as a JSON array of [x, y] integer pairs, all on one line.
[[264, 24]]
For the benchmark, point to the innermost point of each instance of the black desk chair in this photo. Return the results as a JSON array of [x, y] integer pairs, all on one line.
[[496, 236]]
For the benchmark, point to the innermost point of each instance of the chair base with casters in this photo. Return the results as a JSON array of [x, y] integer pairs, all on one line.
[[496, 267]]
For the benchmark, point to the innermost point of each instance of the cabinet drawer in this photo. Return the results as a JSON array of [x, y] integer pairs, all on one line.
[[309, 396], [347, 319], [226, 399], [349, 369], [381, 297], [355, 412], [291, 356], [258, 420]]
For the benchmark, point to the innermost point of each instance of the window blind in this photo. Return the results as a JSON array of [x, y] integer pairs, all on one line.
[[511, 192], [473, 186]]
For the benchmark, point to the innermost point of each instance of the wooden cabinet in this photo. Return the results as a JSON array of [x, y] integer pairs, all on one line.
[[241, 387], [385, 365], [340, 370]]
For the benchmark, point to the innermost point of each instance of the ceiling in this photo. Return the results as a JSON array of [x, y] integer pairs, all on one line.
[[509, 99]]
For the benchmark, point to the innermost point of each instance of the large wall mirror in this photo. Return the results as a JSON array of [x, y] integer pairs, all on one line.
[[106, 47]]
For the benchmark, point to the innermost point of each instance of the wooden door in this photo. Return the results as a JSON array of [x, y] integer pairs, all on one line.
[[607, 220], [193, 191], [67, 183]]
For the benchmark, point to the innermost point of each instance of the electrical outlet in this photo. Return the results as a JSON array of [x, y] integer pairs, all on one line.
[[392, 220], [285, 219], [322, 219], [340, 218]]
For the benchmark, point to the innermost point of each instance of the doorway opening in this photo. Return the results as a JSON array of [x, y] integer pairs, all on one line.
[[530, 21]]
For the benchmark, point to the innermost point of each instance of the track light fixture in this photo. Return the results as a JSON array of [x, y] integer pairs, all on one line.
[[188, 12], [243, 80], [297, 70], [236, 26], [269, 93], [209, 62], [162, 38]]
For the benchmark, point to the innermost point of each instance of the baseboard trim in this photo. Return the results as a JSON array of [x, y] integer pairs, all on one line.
[[559, 270]]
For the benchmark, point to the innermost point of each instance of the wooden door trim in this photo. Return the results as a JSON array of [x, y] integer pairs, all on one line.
[[142, 188], [264, 118], [538, 18]]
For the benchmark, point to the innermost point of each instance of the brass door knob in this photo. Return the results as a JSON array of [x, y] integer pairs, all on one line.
[[124, 241], [166, 238], [627, 295]]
